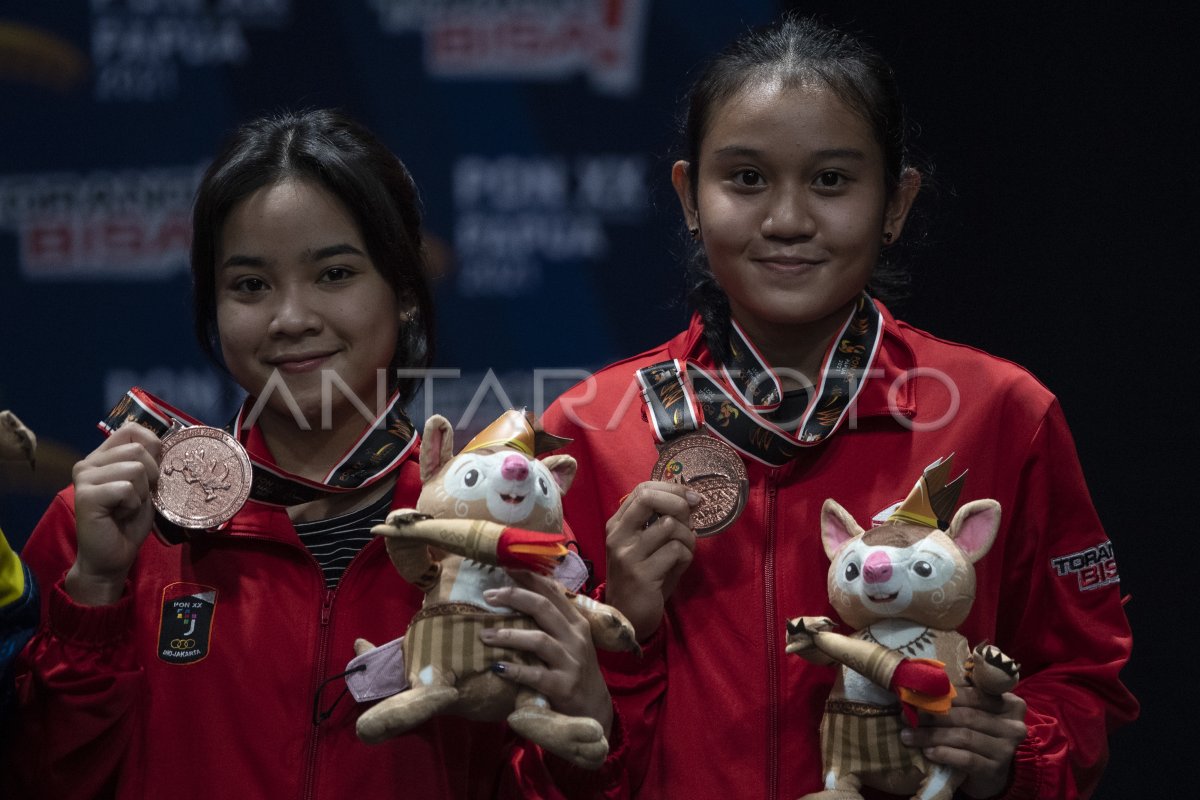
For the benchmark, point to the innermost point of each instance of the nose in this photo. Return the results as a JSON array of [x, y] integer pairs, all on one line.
[[514, 468], [293, 314], [878, 567], [789, 214]]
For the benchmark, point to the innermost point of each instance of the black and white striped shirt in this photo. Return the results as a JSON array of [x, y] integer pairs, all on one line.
[[334, 542]]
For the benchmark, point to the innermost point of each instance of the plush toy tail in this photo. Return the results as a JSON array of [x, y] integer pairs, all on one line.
[[522, 549], [922, 685]]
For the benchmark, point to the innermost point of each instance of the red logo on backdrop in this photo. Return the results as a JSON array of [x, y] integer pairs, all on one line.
[[104, 244], [531, 39], [1092, 568]]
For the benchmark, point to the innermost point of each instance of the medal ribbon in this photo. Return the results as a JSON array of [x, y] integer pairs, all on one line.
[[380, 450], [684, 397]]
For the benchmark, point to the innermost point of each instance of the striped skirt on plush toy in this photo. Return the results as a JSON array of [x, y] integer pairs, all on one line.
[[445, 637]]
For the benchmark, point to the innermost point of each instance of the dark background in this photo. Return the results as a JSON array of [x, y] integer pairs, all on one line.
[[1059, 217], [1063, 141]]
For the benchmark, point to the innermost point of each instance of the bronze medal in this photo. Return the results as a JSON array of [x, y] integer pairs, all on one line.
[[204, 477], [713, 470]]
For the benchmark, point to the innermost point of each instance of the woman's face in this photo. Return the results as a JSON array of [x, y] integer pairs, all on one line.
[[300, 303], [791, 204]]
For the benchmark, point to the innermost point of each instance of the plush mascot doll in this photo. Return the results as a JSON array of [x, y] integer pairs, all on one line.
[[493, 506], [904, 586]]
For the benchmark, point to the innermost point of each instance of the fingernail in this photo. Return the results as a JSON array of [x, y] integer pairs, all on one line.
[[692, 497], [491, 595], [487, 634], [906, 736], [499, 668]]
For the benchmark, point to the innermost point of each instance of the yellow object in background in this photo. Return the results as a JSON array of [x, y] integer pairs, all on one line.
[[12, 576]]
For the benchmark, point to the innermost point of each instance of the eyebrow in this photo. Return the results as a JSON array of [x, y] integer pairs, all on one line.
[[320, 254], [831, 152]]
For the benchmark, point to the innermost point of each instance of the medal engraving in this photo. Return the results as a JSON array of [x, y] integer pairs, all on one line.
[[713, 470], [204, 477]]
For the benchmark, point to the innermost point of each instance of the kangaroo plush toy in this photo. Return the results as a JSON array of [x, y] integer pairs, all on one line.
[[905, 586], [493, 506]]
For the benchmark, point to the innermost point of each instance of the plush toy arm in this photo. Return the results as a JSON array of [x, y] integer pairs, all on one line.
[[410, 555], [989, 670], [800, 638], [610, 630], [16, 441], [812, 639], [479, 539]]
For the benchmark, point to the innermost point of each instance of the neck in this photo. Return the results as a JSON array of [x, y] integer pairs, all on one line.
[[310, 454], [307, 453], [795, 352]]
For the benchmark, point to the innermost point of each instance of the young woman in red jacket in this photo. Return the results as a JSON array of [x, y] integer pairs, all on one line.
[[793, 185], [210, 664]]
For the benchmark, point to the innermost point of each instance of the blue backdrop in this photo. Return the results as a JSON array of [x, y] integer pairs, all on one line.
[[539, 132]]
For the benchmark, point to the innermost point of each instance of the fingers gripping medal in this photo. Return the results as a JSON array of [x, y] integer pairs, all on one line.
[[204, 477], [714, 471]]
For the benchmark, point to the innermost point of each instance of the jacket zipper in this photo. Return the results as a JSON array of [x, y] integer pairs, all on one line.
[[772, 645], [310, 771], [310, 774]]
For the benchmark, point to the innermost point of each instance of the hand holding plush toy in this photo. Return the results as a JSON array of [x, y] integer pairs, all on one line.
[[455, 546], [905, 586]]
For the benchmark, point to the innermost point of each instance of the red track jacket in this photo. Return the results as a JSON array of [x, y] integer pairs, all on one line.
[[716, 710], [104, 715]]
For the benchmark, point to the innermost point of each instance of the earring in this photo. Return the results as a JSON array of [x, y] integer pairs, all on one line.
[[887, 237], [695, 232]]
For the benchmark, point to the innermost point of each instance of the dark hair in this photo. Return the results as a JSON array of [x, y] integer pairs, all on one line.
[[351, 163], [792, 50]]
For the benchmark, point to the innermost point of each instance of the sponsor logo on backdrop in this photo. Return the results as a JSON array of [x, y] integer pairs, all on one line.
[[519, 215], [141, 48], [133, 224], [526, 39]]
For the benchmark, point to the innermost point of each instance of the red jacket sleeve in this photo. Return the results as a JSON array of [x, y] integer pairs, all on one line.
[[1067, 626], [78, 683], [535, 773]]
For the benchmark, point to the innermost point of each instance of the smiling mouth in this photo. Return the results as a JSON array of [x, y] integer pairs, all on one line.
[[300, 363], [512, 499], [882, 598]]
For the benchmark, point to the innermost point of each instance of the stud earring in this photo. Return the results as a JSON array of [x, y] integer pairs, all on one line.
[[887, 237], [695, 232]]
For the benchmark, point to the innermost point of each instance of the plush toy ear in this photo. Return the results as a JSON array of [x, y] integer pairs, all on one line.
[[563, 468], [837, 527], [974, 528], [437, 446]]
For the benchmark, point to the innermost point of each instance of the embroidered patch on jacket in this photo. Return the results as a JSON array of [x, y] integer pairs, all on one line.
[[185, 627], [1093, 567]]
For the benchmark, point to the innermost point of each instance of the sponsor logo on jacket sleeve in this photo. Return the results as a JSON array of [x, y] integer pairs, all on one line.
[[1092, 568]]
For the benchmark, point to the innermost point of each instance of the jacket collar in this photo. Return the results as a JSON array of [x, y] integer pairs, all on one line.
[[259, 520], [886, 391]]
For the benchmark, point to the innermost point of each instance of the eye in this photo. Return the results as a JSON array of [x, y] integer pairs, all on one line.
[[830, 180], [750, 178], [545, 487], [851, 571], [336, 274], [923, 568], [471, 477], [249, 284]]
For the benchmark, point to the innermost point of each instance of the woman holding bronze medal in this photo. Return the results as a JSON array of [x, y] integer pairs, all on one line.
[[207, 661], [794, 184]]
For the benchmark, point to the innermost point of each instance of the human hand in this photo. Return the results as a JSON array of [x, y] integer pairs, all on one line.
[[569, 676], [650, 542], [113, 512], [978, 736]]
